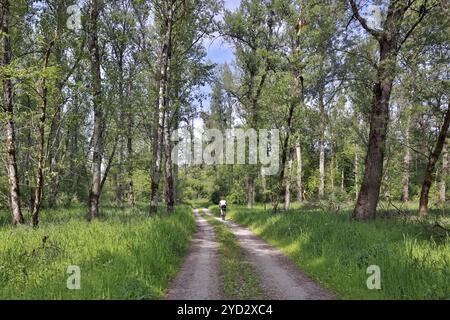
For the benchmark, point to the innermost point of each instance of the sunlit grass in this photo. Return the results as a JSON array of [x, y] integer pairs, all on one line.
[[124, 254], [336, 251], [239, 277]]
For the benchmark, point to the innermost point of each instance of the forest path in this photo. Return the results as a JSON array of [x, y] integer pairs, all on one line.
[[198, 278], [279, 276]]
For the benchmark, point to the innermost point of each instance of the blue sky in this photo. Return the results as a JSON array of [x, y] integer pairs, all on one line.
[[218, 51]]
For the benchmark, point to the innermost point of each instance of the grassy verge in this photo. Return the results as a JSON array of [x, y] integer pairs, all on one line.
[[337, 252], [122, 255], [239, 277]]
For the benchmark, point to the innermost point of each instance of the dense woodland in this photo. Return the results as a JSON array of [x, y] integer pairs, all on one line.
[[91, 95]]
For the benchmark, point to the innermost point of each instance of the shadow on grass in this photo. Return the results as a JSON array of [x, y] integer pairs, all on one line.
[[336, 251]]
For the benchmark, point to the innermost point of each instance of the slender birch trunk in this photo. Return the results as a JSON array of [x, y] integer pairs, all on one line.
[[158, 136], [98, 136], [299, 173], [8, 108], [41, 158], [287, 195]]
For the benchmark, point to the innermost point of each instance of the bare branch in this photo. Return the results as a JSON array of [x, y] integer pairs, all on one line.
[[376, 34]]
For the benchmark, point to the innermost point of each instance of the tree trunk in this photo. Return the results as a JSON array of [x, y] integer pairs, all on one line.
[[284, 158], [332, 173], [131, 196], [356, 174], [297, 101], [367, 202], [390, 42], [250, 191], [175, 183], [168, 174], [264, 184], [368, 197], [299, 173], [97, 138], [287, 195], [434, 157], [321, 169], [119, 186], [158, 135], [8, 108], [444, 172], [41, 161], [322, 147], [406, 159]]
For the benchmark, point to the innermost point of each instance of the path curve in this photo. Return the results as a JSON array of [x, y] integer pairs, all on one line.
[[279, 276], [198, 278]]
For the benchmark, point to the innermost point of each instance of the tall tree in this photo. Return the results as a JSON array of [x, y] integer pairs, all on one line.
[[168, 8], [390, 41], [41, 147], [299, 173], [8, 109], [431, 166], [96, 86]]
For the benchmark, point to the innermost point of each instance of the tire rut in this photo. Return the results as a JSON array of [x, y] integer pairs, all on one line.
[[279, 276], [198, 278]]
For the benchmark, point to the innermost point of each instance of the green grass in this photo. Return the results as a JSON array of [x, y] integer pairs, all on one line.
[[125, 254], [240, 281], [336, 251]]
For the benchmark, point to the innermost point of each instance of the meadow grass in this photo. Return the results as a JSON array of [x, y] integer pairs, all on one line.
[[239, 278], [124, 254], [336, 251]]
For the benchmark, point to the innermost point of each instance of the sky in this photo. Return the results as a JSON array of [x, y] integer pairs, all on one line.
[[218, 51]]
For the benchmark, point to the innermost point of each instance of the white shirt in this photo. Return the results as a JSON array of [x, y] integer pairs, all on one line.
[[222, 203]]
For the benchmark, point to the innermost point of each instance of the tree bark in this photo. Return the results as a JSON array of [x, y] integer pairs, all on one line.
[[250, 191], [131, 196], [8, 108], [299, 173], [444, 172], [169, 185], [322, 148], [406, 160], [98, 136], [41, 161], [175, 183], [433, 159], [158, 134], [389, 44], [356, 174], [119, 186], [287, 195]]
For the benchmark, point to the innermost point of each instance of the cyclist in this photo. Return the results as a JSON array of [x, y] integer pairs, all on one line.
[[223, 208]]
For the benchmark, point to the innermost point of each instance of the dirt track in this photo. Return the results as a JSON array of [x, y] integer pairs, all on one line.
[[279, 276], [198, 278]]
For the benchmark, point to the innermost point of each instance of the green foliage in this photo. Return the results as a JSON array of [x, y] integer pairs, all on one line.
[[123, 255], [237, 194], [215, 197]]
